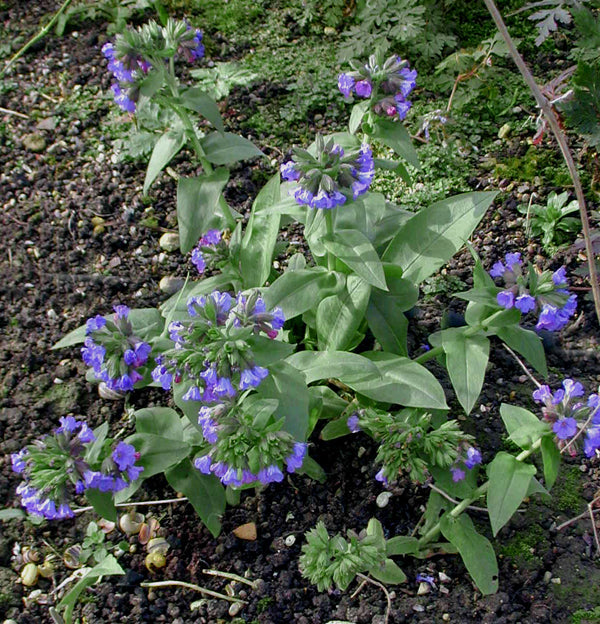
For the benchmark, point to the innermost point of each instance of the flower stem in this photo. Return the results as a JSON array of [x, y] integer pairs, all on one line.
[[330, 234]]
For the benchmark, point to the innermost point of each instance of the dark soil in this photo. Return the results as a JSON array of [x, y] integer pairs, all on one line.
[[61, 264]]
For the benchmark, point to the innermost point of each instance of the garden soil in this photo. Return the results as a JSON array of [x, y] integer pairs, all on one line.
[[79, 237]]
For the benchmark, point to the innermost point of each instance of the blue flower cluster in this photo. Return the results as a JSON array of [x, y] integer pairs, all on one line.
[[206, 245], [113, 351], [330, 179], [127, 73], [191, 48], [54, 469], [470, 459], [548, 294], [220, 366], [388, 85], [570, 416]]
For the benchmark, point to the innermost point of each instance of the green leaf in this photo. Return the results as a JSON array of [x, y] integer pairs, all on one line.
[[197, 100], [357, 114], [266, 351], [335, 429], [527, 343], [164, 151], [74, 337], [395, 135], [466, 359], [523, 427], [103, 503], [434, 234], [11, 514], [256, 254], [157, 453], [313, 470], [387, 322], [152, 82], [286, 384], [475, 550], [162, 421], [551, 458], [457, 489], [339, 316], [354, 249], [401, 545], [508, 484], [401, 381], [388, 572], [347, 367], [298, 291], [108, 567], [176, 305], [93, 451], [205, 492], [198, 206], [228, 148]]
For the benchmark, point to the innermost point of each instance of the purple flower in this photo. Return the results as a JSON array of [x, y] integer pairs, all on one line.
[[18, 461], [93, 354], [122, 99], [124, 455], [498, 269], [512, 260], [380, 476], [86, 435], [363, 88], [198, 51], [573, 388], [525, 303], [162, 376], [457, 474], [345, 84], [542, 394], [224, 387], [506, 299], [423, 578], [565, 428], [592, 441], [203, 464], [559, 277], [211, 238], [551, 319], [473, 457], [289, 172], [251, 377], [296, 459], [94, 324], [69, 424], [198, 260], [593, 403], [121, 311], [270, 474], [352, 423]]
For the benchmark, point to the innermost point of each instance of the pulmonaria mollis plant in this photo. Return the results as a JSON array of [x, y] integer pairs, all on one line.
[[69, 462], [385, 83], [331, 177], [544, 294], [571, 415], [114, 352]]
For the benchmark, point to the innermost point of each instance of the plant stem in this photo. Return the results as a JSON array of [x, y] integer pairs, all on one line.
[[40, 35], [561, 138], [330, 233], [197, 588], [480, 491]]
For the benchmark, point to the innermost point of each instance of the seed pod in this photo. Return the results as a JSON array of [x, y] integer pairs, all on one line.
[[131, 523], [30, 555], [155, 560], [158, 544], [72, 557], [148, 530], [30, 574]]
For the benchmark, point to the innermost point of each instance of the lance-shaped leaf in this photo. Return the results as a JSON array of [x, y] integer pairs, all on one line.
[[164, 151], [197, 100], [433, 235], [198, 206], [527, 343], [396, 136], [509, 481], [228, 148], [466, 359]]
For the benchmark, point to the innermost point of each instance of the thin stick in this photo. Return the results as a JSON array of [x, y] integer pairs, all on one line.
[[567, 523], [12, 112], [520, 362], [40, 35], [594, 529], [383, 588], [453, 500], [165, 501], [230, 576], [197, 588], [562, 142]]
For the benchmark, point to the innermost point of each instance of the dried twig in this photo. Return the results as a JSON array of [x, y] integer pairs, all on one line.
[[197, 588], [520, 362], [453, 500], [165, 501], [567, 523], [7, 111], [230, 576], [383, 588], [561, 138]]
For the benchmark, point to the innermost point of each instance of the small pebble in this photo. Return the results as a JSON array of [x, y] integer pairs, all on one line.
[[446, 617], [290, 540], [547, 576], [423, 589], [383, 499], [169, 241], [418, 608], [555, 580], [235, 608]]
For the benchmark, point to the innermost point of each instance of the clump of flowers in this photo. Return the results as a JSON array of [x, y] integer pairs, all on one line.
[[55, 469], [113, 351], [470, 458], [210, 251], [544, 294], [571, 415], [387, 83], [248, 446], [136, 52], [211, 352], [331, 177], [408, 443]]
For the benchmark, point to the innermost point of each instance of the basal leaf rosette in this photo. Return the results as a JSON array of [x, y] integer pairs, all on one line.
[[117, 356], [386, 83], [330, 177], [543, 294], [57, 467], [211, 353]]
